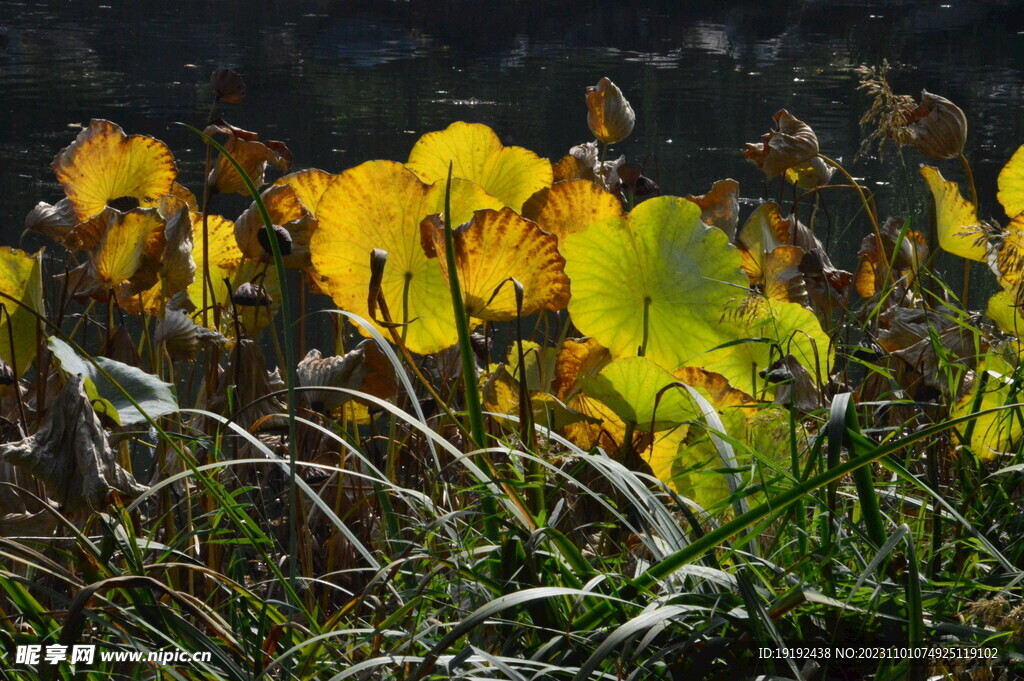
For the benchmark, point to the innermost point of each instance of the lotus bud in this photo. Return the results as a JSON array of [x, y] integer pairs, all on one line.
[[792, 144], [283, 238], [228, 85], [251, 295], [609, 116], [938, 127]]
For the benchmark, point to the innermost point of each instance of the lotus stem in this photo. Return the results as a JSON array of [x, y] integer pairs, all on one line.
[[647, 327], [964, 299]]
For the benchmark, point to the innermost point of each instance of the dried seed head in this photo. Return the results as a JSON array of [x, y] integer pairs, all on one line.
[[284, 240], [251, 295], [228, 85]]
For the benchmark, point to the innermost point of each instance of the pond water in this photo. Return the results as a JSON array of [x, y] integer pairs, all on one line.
[[342, 85]]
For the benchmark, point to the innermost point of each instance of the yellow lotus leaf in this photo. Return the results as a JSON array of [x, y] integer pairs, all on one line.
[[1004, 308], [120, 244], [103, 164], [466, 198], [177, 268], [960, 231], [185, 194], [570, 168], [493, 247], [662, 264], [539, 362], [21, 279], [226, 262], [1011, 184], [568, 207], [764, 231], [996, 384], [873, 268], [250, 152], [380, 205], [1010, 258], [783, 280], [500, 394], [720, 207], [786, 329], [309, 185], [510, 174], [577, 359], [285, 211]]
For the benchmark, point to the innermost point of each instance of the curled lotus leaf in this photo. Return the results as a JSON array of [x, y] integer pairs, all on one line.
[[571, 168], [906, 256], [768, 330], [122, 246], [178, 333], [251, 153], [792, 143], [72, 456], [641, 393], [500, 394], [810, 174], [783, 281], [104, 165], [177, 268], [364, 368], [492, 248], [660, 263], [938, 127], [720, 207], [21, 279], [765, 230], [53, 221], [1011, 184], [286, 211], [960, 231], [568, 207], [510, 174], [609, 115]]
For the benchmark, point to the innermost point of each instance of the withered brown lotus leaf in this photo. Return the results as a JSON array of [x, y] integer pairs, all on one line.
[[228, 85], [104, 164], [251, 153], [810, 174], [873, 267], [247, 372], [7, 376], [795, 386], [938, 128], [120, 346], [609, 114], [365, 369], [53, 221], [182, 337], [72, 456], [720, 207], [791, 144]]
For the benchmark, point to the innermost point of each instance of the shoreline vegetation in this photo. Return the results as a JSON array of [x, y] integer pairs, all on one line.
[[565, 426]]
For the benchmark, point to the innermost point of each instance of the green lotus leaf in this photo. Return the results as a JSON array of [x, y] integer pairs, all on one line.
[[661, 257], [21, 279], [769, 330], [154, 397], [996, 384], [630, 387]]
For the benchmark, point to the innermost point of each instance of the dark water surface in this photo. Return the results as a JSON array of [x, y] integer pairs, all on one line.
[[342, 83]]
